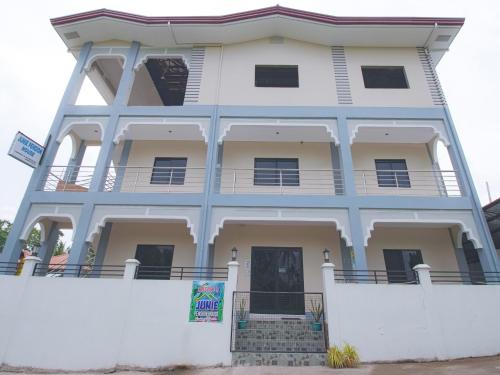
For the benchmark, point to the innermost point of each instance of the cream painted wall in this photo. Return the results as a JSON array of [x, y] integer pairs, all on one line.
[[143, 90], [316, 78], [417, 95], [313, 239], [422, 180], [210, 76], [435, 244], [143, 153], [316, 176], [125, 237]]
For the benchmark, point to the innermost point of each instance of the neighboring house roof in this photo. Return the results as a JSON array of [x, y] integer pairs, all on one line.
[[58, 262], [435, 34], [492, 214]]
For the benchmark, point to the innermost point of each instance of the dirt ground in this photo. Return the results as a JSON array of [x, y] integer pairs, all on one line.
[[476, 366]]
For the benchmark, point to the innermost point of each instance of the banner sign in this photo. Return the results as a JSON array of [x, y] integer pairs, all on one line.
[[207, 301], [26, 150]]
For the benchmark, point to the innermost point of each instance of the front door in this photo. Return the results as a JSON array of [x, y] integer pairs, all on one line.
[[156, 261], [277, 269]]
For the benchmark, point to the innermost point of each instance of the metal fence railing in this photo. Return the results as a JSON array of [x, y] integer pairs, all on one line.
[[79, 270], [443, 183], [181, 273], [376, 277], [10, 268], [279, 322], [67, 178], [280, 181], [471, 278]]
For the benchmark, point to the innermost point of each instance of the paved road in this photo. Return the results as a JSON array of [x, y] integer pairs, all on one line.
[[483, 366]]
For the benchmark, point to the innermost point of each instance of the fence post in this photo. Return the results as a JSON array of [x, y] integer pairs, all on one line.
[[424, 275], [130, 269], [328, 271], [29, 265], [232, 282]]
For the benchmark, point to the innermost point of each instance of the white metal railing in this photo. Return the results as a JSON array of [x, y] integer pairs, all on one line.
[[407, 182], [67, 178], [155, 179], [280, 181]]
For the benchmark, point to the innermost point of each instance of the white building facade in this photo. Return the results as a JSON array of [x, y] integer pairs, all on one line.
[[279, 133]]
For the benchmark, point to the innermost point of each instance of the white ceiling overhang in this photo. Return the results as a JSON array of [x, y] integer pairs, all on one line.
[[436, 34]]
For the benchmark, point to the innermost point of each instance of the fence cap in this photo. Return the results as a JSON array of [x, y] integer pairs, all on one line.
[[328, 265], [233, 263], [419, 267], [132, 261], [33, 258]]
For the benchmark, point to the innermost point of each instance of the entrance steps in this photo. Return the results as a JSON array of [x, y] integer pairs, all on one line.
[[278, 343], [278, 359]]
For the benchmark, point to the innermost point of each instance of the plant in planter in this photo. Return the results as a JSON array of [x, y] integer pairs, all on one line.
[[317, 313], [242, 322]]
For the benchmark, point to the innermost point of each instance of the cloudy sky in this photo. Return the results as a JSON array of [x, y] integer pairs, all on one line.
[[35, 67]]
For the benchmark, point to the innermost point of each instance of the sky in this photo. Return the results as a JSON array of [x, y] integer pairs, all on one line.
[[35, 67]]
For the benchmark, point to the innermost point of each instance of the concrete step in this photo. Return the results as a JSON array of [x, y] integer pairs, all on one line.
[[278, 359], [289, 346]]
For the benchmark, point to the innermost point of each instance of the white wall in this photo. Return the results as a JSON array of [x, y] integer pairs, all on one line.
[[403, 322], [79, 324]]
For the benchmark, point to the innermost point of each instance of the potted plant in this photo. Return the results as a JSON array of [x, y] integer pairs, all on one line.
[[316, 312], [242, 322]]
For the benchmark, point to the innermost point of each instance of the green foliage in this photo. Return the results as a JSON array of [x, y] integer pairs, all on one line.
[[34, 239], [60, 249], [5, 226], [316, 310], [243, 312], [344, 357]]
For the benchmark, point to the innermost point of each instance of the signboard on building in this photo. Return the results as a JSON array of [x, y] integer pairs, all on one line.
[[207, 301], [26, 150]]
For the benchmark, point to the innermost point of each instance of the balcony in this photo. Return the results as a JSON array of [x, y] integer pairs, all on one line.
[[280, 181], [441, 183]]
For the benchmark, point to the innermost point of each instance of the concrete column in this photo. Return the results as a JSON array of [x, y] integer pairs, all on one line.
[[346, 157], [13, 245], [101, 249], [338, 184], [431, 312], [79, 249], [328, 273], [74, 164], [47, 248], [358, 246], [131, 266], [120, 172], [29, 266], [230, 288], [121, 99]]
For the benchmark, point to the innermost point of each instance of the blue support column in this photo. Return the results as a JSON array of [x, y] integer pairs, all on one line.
[[358, 246], [13, 245], [79, 249], [463, 267], [220, 157], [121, 99], [488, 255], [47, 248], [74, 164], [120, 172], [202, 252], [102, 246]]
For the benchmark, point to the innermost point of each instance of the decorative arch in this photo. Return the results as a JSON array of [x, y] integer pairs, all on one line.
[[97, 53], [69, 124], [125, 123]]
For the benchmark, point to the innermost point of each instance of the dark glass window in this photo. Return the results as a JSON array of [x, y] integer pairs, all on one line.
[[276, 172], [392, 173], [399, 265], [276, 76], [384, 77], [169, 171], [156, 261]]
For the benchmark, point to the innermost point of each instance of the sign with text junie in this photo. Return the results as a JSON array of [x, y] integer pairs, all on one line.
[[207, 301], [26, 150]]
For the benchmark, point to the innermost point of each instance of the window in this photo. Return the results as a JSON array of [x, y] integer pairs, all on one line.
[[384, 77], [276, 172], [156, 261], [276, 76], [399, 265], [392, 173], [169, 171]]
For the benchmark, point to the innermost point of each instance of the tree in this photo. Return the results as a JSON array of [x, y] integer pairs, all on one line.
[[5, 226]]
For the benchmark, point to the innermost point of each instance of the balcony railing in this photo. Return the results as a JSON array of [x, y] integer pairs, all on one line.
[[443, 183], [67, 178], [155, 179], [376, 277], [280, 181]]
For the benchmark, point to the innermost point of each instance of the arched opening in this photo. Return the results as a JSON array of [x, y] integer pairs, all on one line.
[[160, 82], [101, 81]]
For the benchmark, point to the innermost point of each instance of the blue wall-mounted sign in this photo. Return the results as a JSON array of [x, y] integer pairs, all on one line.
[[26, 150]]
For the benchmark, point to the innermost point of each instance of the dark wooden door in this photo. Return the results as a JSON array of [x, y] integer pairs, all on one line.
[[279, 270]]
